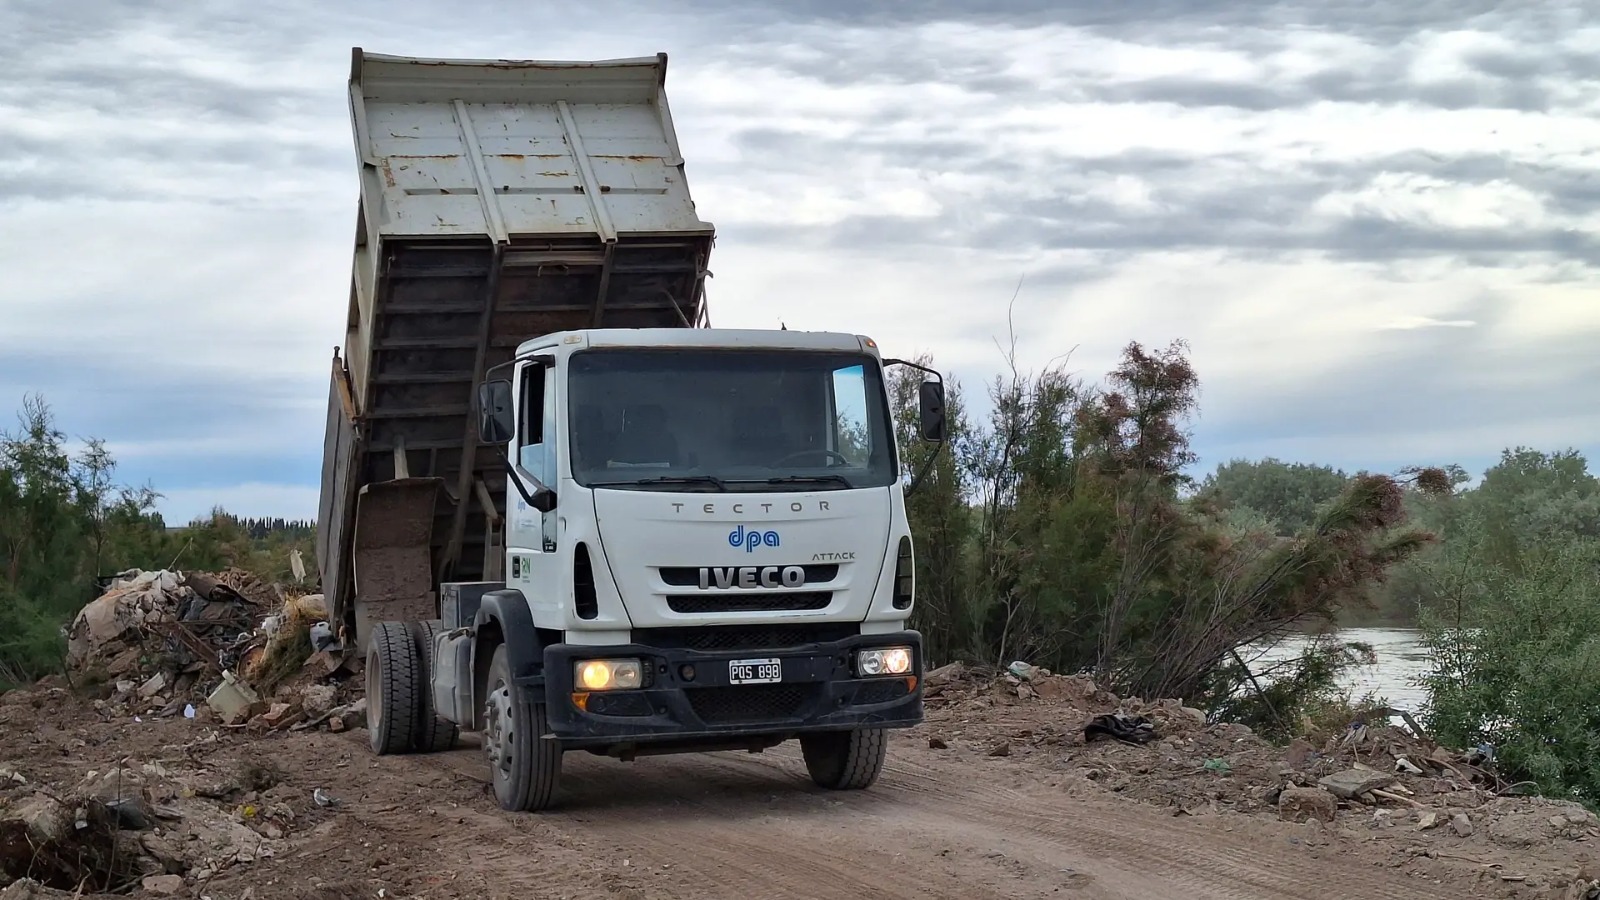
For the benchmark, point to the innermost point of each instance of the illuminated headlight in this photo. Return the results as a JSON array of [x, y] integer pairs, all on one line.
[[884, 661], [608, 674]]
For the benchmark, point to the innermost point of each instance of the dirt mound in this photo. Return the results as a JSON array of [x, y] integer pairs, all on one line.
[[1371, 776]]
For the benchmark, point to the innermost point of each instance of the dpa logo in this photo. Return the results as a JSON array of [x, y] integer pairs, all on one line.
[[751, 539]]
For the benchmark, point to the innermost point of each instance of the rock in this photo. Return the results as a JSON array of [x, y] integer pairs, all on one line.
[[335, 724], [1428, 821], [163, 852], [1001, 749], [43, 819], [112, 786], [1300, 753], [163, 884], [317, 699], [1303, 804], [945, 674], [353, 714], [281, 714], [935, 743], [125, 662], [1352, 783], [1199, 716], [1461, 825]]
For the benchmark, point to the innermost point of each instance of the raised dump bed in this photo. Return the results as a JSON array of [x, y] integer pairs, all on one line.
[[500, 200]]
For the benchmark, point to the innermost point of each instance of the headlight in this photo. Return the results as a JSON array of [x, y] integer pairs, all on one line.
[[884, 661], [607, 674]]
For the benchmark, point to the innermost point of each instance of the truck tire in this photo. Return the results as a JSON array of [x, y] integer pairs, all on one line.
[[392, 683], [845, 760], [524, 767], [434, 733]]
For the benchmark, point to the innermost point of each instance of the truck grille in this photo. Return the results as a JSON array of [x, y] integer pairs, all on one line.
[[764, 601], [689, 576], [749, 703], [717, 639]]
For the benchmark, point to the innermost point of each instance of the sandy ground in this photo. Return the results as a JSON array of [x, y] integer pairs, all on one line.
[[1051, 818]]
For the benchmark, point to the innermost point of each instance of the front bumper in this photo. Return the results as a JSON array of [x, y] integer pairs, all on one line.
[[819, 691]]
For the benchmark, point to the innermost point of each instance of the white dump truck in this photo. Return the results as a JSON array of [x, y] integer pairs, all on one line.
[[558, 508]]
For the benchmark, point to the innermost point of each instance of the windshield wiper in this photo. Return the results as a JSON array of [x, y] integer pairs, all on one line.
[[712, 480], [811, 479]]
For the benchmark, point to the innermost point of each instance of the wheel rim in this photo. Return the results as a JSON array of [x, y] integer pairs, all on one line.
[[499, 740], [374, 694]]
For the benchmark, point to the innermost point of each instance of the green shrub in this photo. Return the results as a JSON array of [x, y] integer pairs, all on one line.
[[1517, 644]]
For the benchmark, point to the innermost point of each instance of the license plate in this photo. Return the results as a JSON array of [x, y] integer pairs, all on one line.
[[755, 671]]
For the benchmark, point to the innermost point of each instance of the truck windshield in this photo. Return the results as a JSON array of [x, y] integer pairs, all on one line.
[[728, 420]]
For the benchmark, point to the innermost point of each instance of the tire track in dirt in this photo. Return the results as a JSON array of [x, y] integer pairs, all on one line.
[[737, 825], [1190, 854]]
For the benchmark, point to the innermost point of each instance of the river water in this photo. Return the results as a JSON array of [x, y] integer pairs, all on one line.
[[1400, 661]]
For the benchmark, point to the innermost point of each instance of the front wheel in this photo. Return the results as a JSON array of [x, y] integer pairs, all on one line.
[[524, 766], [845, 760]]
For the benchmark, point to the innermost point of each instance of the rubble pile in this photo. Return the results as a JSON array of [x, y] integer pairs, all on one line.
[[221, 647], [98, 808], [1170, 754]]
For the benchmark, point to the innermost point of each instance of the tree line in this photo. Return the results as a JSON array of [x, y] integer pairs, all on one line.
[[66, 525]]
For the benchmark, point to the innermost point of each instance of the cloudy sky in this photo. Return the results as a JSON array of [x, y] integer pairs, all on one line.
[[1374, 222]]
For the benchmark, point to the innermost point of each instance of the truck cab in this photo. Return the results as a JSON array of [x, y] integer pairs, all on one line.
[[708, 551]]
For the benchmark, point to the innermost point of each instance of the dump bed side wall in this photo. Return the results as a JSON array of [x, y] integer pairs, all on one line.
[[500, 201]]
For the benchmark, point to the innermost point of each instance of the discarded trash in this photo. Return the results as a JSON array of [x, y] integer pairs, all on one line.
[[1122, 727], [324, 799], [232, 699], [1401, 764], [188, 711], [322, 637], [1021, 670]]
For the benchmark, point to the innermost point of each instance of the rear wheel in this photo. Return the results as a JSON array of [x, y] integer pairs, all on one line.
[[392, 681], [433, 732], [524, 766], [845, 760]]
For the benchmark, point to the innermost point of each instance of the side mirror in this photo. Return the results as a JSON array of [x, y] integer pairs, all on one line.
[[497, 424], [931, 397]]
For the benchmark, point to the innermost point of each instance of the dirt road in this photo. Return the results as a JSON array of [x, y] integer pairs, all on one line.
[[962, 821], [739, 825]]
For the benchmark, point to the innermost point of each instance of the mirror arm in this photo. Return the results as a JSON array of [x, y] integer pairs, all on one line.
[[919, 367], [926, 468]]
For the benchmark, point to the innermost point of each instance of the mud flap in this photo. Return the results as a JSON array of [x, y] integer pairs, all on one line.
[[392, 556]]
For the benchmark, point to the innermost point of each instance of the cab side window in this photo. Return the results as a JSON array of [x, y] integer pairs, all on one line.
[[533, 450]]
